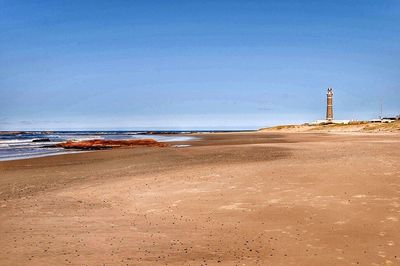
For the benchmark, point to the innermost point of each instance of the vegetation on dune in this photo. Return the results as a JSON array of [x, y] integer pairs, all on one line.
[[385, 126], [353, 126]]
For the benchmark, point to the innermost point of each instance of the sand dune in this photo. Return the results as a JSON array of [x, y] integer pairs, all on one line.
[[352, 127]]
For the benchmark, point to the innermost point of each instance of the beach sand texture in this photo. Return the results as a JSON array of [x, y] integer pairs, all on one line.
[[230, 199]]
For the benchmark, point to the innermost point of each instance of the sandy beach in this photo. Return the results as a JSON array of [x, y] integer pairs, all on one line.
[[259, 198]]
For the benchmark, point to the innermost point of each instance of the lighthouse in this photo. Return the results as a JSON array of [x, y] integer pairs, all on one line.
[[329, 108]]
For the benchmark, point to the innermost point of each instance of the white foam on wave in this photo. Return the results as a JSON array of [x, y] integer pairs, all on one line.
[[85, 138], [23, 145], [11, 141]]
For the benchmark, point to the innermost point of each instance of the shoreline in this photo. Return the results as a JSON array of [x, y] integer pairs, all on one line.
[[41, 156], [200, 137], [40, 144]]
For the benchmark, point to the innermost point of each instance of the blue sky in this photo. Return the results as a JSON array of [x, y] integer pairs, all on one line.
[[195, 64]]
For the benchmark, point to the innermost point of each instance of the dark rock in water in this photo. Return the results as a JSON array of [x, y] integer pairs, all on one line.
[[41, 140]]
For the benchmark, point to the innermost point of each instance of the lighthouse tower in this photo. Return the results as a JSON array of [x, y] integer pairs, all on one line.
[[329, 108]]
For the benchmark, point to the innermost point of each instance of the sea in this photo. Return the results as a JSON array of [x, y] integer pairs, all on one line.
[[22, 145]]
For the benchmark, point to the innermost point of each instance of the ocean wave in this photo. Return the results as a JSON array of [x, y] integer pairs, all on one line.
[[10, 141], [22, 145], [80, 137]]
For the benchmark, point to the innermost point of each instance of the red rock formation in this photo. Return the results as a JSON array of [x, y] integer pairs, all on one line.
[[99, 144]]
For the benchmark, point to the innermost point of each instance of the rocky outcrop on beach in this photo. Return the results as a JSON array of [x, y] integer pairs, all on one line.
[[100, 144]]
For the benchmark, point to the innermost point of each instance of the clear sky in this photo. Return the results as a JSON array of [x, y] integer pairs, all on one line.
[[195, 64]]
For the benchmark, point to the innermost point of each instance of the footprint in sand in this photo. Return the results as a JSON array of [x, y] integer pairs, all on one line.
[[393, 219]]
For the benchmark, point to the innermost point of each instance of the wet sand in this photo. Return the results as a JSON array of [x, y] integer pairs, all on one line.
[[230, 199]]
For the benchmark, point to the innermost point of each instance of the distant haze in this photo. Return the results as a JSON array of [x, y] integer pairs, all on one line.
[[210, 64]]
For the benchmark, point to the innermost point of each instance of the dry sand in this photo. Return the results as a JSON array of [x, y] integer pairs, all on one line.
[[231, 199]]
